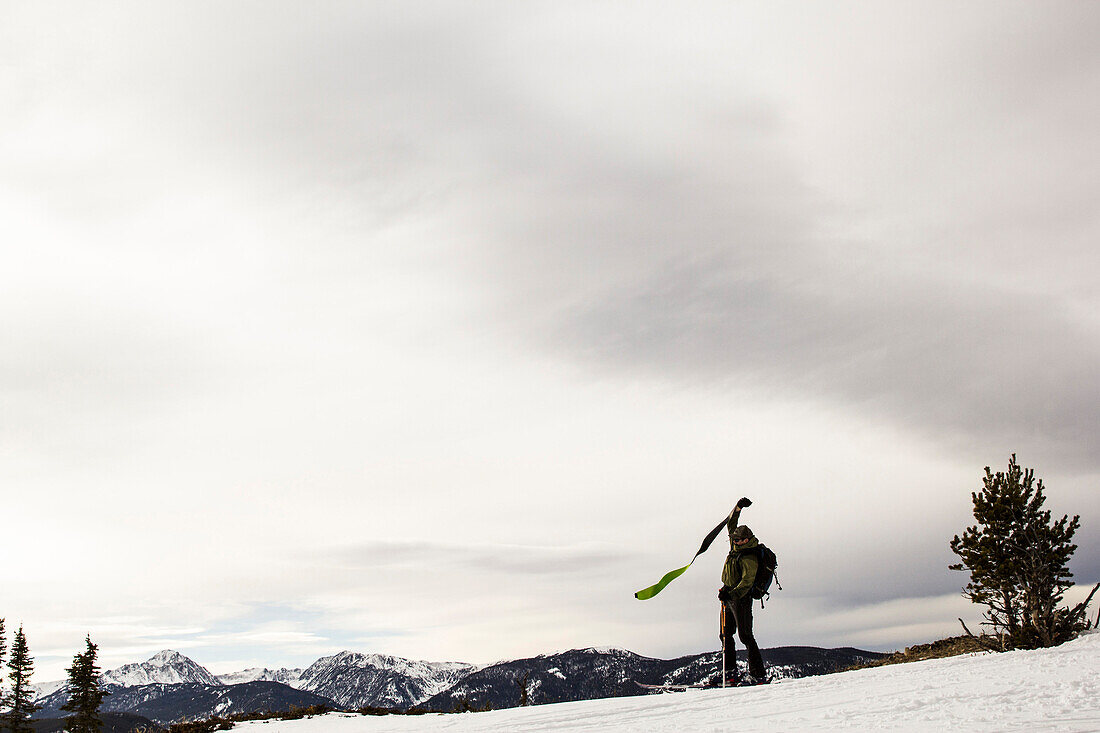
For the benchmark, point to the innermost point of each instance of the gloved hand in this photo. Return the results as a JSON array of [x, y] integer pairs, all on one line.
[[743, 502], [724, 593]]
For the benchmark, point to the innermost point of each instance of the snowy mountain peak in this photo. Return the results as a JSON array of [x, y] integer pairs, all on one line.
[[378, 661], [354, 658], [164, 667], [290, 677], [596, 651], [354, 679], [347, 659], [605, 650], [167, 657]]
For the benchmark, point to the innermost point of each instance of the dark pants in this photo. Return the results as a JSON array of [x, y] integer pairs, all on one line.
[[737, 619]]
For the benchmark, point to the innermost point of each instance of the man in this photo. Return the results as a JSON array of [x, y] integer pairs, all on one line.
[[738, 575]]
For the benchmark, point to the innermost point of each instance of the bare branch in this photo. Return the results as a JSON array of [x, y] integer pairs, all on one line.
[[982, 641], [1080, 608]]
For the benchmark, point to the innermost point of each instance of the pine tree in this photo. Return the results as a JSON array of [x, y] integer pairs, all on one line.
[[3, 650], [21, 699], [85, 692], [1019, 561]]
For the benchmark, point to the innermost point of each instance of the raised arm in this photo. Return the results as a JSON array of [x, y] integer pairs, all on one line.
[[735, 515]]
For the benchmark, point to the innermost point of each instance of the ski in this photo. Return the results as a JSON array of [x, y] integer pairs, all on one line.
[[696, 686], [679, 688]]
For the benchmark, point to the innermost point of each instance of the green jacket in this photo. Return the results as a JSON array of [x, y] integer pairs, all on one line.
[[739, 572]]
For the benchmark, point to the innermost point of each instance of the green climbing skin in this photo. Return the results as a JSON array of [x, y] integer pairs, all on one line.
[[646, 593]]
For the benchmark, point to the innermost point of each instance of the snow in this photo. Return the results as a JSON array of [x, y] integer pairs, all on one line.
[[1046, 690], [44, 689]]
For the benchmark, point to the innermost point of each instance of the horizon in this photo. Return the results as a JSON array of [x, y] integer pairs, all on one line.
[[269, 668], [439, 330]]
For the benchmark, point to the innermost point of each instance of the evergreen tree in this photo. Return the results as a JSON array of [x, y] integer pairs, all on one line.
[[1019, 561], [3, 650], [21, 699], [85, 692]]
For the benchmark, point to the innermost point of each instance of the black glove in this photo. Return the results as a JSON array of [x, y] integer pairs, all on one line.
[[743, 502], [724, 593]]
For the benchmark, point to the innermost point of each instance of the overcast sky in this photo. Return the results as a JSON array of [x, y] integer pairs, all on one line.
[[439, 329]]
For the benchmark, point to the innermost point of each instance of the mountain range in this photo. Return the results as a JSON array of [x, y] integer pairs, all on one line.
[[169, 687], [172, 703], [588, 674]]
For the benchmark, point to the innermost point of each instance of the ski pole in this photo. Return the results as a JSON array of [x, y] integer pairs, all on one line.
[[722, 640]]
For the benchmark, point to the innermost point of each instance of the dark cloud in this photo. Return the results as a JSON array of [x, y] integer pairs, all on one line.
[[713, 267], [997, 367]]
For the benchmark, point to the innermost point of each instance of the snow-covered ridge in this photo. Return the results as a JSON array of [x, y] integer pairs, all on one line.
[[381, 661], [601, 650], [356, 680], [612, 651], [289, 677]]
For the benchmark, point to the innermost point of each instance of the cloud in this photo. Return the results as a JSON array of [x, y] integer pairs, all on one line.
[[287, 273], [596, 220], [458, 559], [719, 266], [929, 358]]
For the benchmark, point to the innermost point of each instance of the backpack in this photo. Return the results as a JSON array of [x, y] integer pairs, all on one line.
[[765, 572]]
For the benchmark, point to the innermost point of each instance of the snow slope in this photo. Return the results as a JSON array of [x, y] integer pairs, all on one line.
[[42, 689], [1047, 690]]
